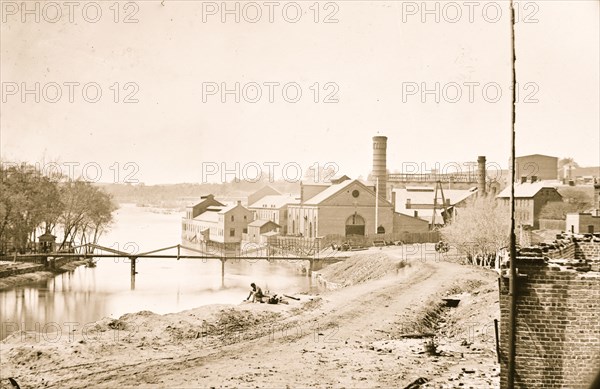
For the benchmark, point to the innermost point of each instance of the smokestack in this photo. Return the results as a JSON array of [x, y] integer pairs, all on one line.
[[597, 196], [379, 164], [481, 176]]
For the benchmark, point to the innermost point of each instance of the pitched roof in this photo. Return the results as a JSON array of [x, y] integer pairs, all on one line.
[[208, 216], [536, 155], [261, 222], [230, 207], [275, 201], [327, 193], [339, 179], [527, 189]]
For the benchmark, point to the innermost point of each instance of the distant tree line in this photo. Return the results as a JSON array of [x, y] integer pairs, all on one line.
[[32, 204], [180, 195]]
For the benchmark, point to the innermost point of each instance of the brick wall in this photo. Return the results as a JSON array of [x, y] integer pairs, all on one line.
[[558, 324], [587, 250], [549, 224]]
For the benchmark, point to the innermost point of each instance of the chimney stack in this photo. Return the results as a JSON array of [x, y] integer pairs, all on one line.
[[481, 176], [379, 165], [597, 195]]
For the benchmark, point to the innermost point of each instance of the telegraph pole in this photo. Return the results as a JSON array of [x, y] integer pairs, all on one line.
[[513, 250]]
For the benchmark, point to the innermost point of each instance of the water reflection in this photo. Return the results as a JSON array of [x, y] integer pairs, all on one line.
[[161, 285]]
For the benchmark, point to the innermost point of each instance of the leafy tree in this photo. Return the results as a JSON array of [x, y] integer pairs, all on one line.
[[31, 202], [87, 212], [567, 161], [28, 200]]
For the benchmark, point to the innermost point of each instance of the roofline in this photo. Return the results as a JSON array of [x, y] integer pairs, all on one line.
[[351, 181]]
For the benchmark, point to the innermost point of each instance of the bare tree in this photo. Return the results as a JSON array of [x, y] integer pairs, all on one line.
[[479, 230]]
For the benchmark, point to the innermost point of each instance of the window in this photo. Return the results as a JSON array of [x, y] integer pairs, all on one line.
[[232, 232], [232, 218], [245, 218], [245, 230], [355, 193]]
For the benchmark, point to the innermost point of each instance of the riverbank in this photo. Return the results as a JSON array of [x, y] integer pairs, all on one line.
[[376, 331], [37, 275]]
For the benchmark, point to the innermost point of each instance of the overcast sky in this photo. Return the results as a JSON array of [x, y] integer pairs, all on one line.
[[371, 62]]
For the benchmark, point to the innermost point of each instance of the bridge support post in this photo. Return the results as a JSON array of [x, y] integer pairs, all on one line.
[[133, 272], [311, 267], [223, 272]]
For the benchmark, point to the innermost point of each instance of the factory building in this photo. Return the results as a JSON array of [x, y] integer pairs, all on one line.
[[272, 207], [345, 207], [423, 202], [212, 221], [530, 197], [537, 167]]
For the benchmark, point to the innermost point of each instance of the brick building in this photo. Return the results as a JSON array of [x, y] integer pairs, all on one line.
[[222, 224], [344, 207], [582, 223], [418, 202], [530, 197], [262, 192], [541, 167], [273, 207], [259, 231], [557, 318]]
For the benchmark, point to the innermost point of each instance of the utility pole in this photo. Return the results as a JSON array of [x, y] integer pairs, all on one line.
[[376, 205], [513, 251]]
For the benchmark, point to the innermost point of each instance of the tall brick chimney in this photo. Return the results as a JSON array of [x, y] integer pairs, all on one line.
[[379, 165], [481, 176]]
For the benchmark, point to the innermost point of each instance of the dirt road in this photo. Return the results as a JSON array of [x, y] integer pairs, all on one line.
[[344, 338]]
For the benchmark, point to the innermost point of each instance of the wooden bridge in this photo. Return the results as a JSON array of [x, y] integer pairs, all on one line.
[[88, 251]]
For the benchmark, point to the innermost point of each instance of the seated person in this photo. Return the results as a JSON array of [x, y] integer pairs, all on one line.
[[256, 293]]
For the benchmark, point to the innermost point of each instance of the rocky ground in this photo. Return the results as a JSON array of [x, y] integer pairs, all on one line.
[[386, 325]]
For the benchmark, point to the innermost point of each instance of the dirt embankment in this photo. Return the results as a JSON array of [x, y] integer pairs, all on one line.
[[374, 332]]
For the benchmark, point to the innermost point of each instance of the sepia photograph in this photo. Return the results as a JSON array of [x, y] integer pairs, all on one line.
[[300, 194]]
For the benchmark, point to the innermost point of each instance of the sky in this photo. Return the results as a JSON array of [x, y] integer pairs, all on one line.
[[144, 91]]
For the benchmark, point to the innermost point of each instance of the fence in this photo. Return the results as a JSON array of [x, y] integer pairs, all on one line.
[[368, 240]]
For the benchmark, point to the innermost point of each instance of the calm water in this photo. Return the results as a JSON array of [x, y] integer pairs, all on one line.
[[161, 285]]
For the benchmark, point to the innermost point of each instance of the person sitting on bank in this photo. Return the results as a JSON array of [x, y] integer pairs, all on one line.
[[256, 293]]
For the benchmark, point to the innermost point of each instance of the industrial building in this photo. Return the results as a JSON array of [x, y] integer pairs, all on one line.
[[530, 197], [272, 207], [346, 207], [437, 207], [537, 167], [212, 221], [260, 230]]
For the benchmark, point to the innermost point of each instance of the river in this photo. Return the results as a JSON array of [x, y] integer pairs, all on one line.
[[88, 294]]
